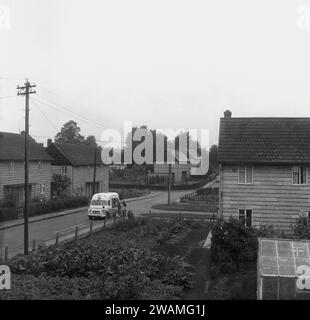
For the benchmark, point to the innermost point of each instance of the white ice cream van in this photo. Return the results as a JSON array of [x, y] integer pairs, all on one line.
[[103, 205]]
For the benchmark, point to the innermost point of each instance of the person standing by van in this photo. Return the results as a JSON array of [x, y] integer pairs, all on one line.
[[119, 208], [124, 209]]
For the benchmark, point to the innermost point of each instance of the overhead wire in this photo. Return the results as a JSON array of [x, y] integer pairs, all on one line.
[[43, 114]]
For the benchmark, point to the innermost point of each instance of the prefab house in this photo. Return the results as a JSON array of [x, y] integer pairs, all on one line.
[[264, 170], [77, 162], [12, 169]]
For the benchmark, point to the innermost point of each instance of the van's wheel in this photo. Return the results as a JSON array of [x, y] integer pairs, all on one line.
[[90, 218]]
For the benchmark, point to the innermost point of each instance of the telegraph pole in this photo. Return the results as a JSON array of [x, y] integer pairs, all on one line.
[[95, 171], [26, 90]]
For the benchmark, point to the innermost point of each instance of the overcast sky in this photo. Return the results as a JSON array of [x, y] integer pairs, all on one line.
[[162, 63]]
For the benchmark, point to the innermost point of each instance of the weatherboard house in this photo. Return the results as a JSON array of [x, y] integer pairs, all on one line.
[[77, 162], [264, 170], [12, 169]]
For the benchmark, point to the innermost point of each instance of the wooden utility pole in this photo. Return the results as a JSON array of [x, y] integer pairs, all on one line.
[[95, 171], [26, 90], [169, 184]]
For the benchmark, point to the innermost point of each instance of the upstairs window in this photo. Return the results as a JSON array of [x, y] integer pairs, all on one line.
[[299, 175], [42, 189], [245, 217], [11, 166], [246, 175], [64, 170], [40, 165]]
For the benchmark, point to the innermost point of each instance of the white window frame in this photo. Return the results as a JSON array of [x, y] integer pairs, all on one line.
[[299, 169], [245, 216], [64, 170], [42, 189], [246, 175]]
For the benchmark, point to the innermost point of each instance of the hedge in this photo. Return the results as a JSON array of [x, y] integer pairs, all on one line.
[[49, 206], [7, 214]]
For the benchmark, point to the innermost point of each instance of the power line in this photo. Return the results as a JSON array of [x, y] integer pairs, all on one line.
[[57, 95], [58, 107], [55, 127], [68, 111], [43, 114]]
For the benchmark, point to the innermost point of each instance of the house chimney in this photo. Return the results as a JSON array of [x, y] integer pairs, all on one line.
[[227, 114], [49, 142]]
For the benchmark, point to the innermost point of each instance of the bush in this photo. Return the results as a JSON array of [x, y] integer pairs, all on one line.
[[49, 206], [301, 229], [234, 244], [7, 214]]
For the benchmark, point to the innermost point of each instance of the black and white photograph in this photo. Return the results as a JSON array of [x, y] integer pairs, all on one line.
[[155, 154]]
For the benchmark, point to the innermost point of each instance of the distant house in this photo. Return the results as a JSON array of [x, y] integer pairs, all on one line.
[[12, 173], [77, 162], [264, 169], [180, 170]]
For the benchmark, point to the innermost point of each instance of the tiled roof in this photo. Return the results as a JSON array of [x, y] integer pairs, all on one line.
[[73, 154], [12, 146], [264, 140]]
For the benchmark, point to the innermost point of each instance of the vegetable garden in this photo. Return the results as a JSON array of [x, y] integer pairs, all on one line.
[[138, 259]]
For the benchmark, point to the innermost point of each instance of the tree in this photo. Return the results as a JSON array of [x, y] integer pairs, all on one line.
[[191, 144], [155, 135], [91, 141], [213, 158], [70, 133]]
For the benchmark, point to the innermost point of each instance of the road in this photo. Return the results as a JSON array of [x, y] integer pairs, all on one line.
[[43, 231]]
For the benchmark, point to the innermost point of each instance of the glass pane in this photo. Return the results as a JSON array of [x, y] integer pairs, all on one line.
[[242, 216], [99, 203], [249, 218], [270, 288], [303, 173], [269, 266], [268, 248], [295, 177], [249, 175], [242, 175]]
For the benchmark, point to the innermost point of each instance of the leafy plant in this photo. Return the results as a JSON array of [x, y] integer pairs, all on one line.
[[301, 229], [93, 269], [234, 244]]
